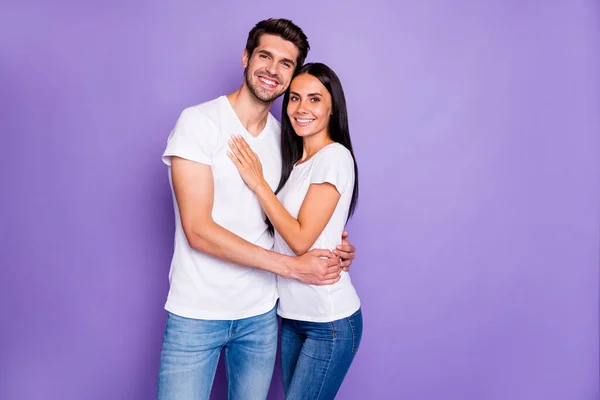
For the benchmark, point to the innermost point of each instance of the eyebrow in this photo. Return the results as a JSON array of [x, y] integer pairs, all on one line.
[[268, 53], [308, 95]]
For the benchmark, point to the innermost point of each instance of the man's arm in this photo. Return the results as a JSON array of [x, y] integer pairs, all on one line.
[[194, 190]]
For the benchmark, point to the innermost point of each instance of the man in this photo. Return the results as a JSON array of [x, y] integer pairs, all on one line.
[[223, 284]]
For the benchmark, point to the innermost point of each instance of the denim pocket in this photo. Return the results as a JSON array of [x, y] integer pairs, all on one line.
[[356, 326]]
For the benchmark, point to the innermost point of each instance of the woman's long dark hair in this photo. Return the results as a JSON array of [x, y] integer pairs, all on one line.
[[291, 144]]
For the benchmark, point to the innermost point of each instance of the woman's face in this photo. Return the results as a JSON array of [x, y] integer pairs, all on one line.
[[309, 107]]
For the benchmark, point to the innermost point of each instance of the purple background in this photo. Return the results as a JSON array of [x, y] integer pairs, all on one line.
[[477, 131]]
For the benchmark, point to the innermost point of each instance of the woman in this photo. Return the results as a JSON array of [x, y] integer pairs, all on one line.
[[321, 325]]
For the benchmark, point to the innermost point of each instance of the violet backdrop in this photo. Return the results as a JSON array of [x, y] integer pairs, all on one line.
[[477, 131]]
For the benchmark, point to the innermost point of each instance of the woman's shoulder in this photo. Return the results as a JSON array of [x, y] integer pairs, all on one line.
[[336, 150]]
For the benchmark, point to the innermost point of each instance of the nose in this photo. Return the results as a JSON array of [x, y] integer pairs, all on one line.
[[272, 68]]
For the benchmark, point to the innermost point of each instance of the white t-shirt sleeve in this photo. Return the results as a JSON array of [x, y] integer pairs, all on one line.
[[334, 165], [194, 137]]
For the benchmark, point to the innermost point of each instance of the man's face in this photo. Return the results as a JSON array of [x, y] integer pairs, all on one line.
[[270, 68]]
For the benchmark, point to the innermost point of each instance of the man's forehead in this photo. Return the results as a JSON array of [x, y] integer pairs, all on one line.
[[278, 46]]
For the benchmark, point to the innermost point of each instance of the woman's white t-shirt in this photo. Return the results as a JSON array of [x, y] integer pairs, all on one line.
[[332, 164]]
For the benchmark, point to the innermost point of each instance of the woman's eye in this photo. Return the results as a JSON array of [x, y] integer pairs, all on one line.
[[294, 98], [315, 100]]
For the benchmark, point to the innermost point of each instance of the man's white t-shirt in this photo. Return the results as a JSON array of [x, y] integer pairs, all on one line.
[[332, 164], [203, 286]]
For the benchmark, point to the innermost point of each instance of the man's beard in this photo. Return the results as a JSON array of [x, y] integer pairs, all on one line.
[[257, 91]]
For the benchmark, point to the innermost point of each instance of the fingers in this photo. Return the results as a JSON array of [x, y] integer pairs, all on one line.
[[330, 281], [345, 251], [345, 259], [243, 145], [247, 150], [343, 254], [322, 253], [330, 266], [235, 160], [346, 246], [332, 263], [241, 149], [238, 151], [325, 268], [330, 273], [344, 235]]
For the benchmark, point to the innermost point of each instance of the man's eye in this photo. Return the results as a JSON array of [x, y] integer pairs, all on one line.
[[287, 65], [263, 56]]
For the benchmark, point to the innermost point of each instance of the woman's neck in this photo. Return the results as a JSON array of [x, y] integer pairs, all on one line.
[[311, 145]]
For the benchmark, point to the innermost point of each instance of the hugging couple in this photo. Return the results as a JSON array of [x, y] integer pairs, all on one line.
[[260, 210]]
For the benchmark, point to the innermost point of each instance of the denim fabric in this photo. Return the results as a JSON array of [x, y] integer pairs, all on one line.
[[191, 350], [315, 356]]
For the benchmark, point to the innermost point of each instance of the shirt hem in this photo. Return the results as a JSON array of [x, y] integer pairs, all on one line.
[[324, 319], [187, 312]]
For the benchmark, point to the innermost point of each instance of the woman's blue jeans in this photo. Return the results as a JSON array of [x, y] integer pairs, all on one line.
[[315, 356]]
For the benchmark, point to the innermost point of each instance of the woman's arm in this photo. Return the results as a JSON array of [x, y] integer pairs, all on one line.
[[316, 210]]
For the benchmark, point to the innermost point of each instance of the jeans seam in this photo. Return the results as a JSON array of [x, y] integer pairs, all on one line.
[[227, 370], [354, 349], [327, 370], [333, 329], [230, 331], [228, 374]]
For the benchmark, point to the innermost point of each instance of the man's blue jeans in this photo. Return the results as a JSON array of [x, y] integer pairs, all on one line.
[[191, 350], [315, 356]]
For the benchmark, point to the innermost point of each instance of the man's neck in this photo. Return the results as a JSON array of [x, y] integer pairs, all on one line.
[[251, 112]]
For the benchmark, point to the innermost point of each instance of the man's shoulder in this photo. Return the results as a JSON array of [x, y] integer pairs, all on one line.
[[209, 109], [205, 114]]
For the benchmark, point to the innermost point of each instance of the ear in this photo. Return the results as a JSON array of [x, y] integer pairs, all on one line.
[[245, 57]]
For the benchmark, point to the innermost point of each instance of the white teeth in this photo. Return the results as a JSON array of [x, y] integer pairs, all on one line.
[[304, 121], [268, 82]]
